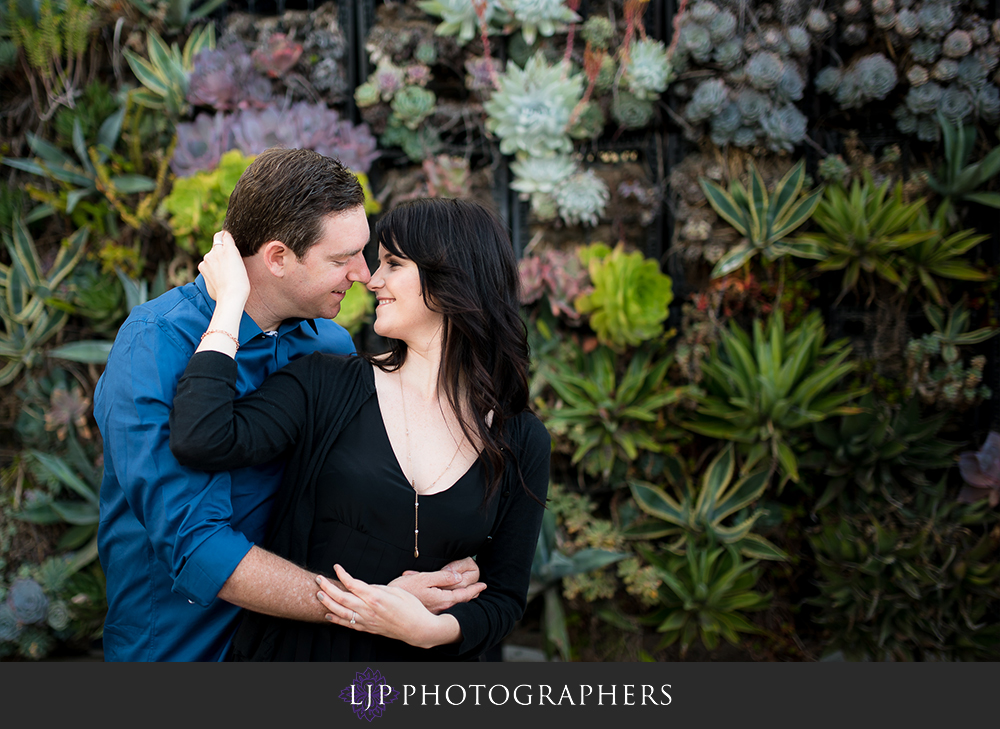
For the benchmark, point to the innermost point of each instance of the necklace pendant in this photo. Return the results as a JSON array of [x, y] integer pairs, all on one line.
[[416, 552]]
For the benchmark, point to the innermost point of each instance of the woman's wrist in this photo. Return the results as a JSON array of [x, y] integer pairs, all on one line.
[[443, 629]]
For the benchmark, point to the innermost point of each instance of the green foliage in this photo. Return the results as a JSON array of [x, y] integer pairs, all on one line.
[[197, 204], [704, 595], [94, 105], [54, 37], [356, 309], [879, 448], [689, 514], [177, 14], [25, 293], [914, 579], [167, 73], [957, 178], [940, 256], [550, 565], [864, 231], [934, 367], [630, 299], [764, 392], [764, 218], [608, 415], [93, 173]]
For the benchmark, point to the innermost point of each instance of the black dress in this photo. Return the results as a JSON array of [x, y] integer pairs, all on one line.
[[345, 500]]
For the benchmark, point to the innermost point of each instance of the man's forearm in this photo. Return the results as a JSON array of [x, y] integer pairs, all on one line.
[[266, 583]]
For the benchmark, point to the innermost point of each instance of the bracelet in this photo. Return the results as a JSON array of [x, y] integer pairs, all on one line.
[[223, 331]]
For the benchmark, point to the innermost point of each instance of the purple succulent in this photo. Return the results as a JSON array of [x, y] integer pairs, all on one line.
[[27, 601], [201, 144], [226, 79], [306, 126], [981, 472]]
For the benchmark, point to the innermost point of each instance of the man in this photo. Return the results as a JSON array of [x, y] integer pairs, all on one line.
[[177, 545]]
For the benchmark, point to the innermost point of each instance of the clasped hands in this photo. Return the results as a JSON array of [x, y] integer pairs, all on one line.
[[408, 608]]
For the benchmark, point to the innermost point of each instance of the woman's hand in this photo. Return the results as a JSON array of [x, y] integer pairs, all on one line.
[[456, 582], [385, 610], [224, 271]]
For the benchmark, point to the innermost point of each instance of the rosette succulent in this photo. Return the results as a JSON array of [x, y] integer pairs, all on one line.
[[531, 109], [201, 144], [412, 105], [226, 79], [459, 17], [647, 70], [541, 174], [539, 16], [630, 111], [764, 70], [581, 198], [27, 601], [630, 299]]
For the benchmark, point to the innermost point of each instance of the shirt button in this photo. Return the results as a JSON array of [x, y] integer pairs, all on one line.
[[191, 602]]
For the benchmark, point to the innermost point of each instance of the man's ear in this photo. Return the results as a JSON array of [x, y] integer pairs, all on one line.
[[276, 257]]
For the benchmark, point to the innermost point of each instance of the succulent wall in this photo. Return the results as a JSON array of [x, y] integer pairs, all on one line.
[[758, 249]]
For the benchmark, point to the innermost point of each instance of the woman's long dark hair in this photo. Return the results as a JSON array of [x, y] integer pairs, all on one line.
[[468, 273]]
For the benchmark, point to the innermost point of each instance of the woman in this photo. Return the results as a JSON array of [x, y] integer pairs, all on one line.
[[403, 461]]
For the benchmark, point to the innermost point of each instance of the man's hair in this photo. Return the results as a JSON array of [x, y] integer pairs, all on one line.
[[284, 195]]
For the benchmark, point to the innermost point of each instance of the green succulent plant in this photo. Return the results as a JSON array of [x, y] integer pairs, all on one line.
[[864, 231], [630, 299], [26, 292], [532, 108], [940, 256], [878, 449], [609, 416], [459, 17], [355, 309], [550, 565], [197, 204], [688, 514], [765, 218], [167, 73], [89, 174], [78, 475], [764, 392], [913, 580], [177, 14], [704, 595], [957, 178]]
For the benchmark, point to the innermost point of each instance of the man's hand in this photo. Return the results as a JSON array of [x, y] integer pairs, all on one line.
[[454, 583]]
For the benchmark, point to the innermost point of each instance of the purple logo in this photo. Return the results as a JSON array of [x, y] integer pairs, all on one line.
[[369, 694]]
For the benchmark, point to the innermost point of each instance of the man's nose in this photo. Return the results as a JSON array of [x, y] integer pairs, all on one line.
[[360, 271]]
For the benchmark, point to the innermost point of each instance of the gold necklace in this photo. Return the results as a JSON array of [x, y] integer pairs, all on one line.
[[413, 483]]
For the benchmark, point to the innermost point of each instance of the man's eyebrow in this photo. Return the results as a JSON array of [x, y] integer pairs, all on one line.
[[346, 255]]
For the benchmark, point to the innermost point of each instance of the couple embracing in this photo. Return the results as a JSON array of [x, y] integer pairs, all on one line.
[[270, 495]]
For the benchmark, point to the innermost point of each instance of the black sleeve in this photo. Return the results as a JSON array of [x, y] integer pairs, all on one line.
[[210, 430], [505, 564]]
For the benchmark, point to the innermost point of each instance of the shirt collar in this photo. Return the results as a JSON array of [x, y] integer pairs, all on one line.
[[248, 327]]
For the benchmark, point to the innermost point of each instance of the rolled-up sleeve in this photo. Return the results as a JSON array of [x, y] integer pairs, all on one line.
[[186, 513]]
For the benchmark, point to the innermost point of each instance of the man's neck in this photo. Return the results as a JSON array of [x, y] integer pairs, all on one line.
[[262, 314]]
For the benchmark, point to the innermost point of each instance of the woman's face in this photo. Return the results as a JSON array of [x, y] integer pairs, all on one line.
[[401, 312]]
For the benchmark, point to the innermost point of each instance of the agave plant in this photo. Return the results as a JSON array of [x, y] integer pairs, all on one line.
[[25, 289], [763, 392], [166, 75], [630, 298], [864, 231], [917, 579], [692, 513], [765, 218], [958, 179], [879, 448], [940, 256], [704, 595], [88, 174], [607, 416]]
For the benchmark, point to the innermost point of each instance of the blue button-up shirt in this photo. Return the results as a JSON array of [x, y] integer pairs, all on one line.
[[170, 536]]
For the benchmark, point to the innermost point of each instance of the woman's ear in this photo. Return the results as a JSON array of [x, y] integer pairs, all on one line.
[[275, 256]]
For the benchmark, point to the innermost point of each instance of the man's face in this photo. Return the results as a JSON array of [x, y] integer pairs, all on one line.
[[315, 285]]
